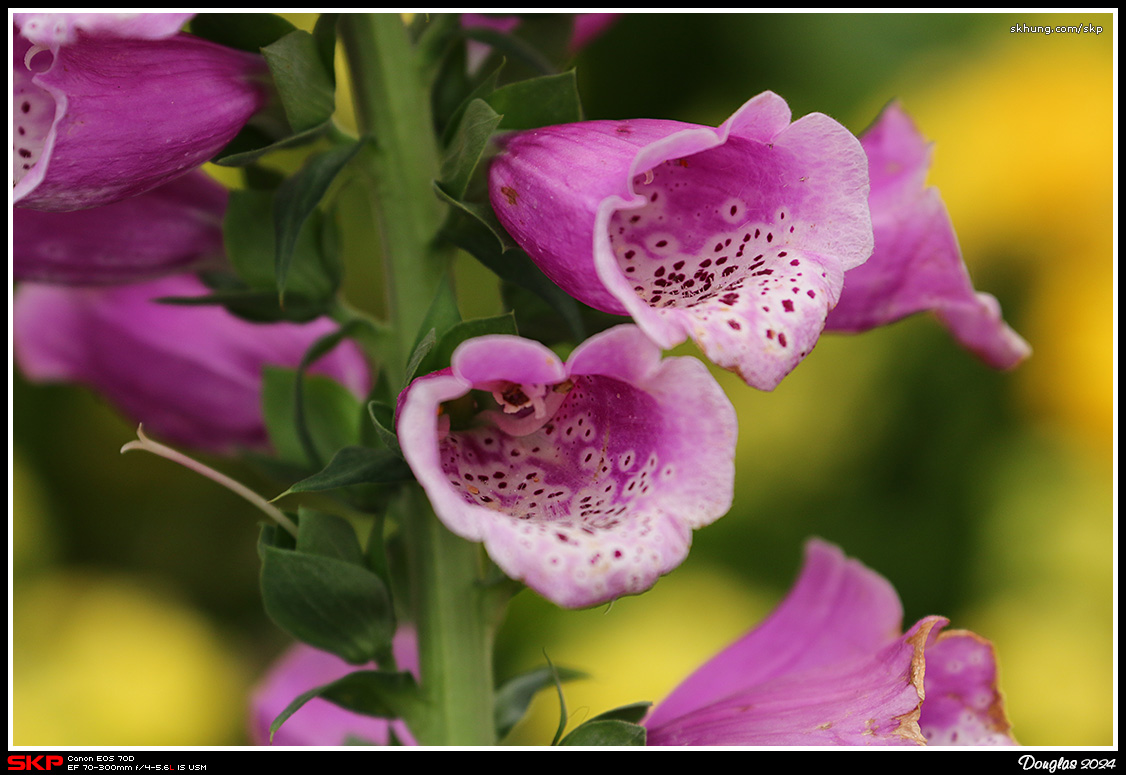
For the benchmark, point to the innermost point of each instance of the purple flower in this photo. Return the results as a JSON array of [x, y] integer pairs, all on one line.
[[174, 228], [583, 479], [320, 722], [829, 667], [737, 236], [98, 117], [917, 264], [192, 374]]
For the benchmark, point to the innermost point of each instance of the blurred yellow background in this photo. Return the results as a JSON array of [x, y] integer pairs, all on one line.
[[984, 497]]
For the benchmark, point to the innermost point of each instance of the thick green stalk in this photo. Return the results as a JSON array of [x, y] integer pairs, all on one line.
[[455, 635]]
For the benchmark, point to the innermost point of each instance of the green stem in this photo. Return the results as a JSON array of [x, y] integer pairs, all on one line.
[[455, 634]]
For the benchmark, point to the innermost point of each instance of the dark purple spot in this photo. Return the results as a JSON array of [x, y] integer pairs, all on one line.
[[782, 339], [734, 324], [662, 243], [787, 305]]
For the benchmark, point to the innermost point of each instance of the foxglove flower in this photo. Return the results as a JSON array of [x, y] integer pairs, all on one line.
[[829, 667], [174, 228], [583, 479], [319, 721], [917, 264], [192, 374], [737, 236], [98, 117]]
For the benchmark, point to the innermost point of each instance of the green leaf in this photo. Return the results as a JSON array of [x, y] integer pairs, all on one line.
[[355, 465], [370, 692], [632, 713], [515, 695], [467, 145], [331, 412], [244, 31], [333, 605], [487, 85], [479, 212], [254, 142], [383, 419], [297, 198], [420, 352], [536, 102], [324, 34], [327, 535], [255, 306], [248, 237], [306, 87], [442, 315], [607, 732]]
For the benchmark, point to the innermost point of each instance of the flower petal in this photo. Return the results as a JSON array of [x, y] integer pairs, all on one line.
[[963, 705], [111, 118], [191, 374], [173, 228], [839, 610], [917, 264], [585, 479], [56, 29], [736, 236]]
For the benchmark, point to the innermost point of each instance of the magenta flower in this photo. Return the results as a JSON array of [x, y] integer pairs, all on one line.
[[174, 228], [320, 722], [917, 264], [192, 374], [737, 236], [98, 117], [829, 667], [583, 479]]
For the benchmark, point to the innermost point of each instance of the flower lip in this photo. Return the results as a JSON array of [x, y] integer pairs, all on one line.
[[829, 667], [592, 495], [736, 236]]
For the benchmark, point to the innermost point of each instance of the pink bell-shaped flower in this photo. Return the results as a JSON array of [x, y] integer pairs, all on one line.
[[830, 667], [108, 108], [737, 237], [583, 479], [191, 374], [917, 264]]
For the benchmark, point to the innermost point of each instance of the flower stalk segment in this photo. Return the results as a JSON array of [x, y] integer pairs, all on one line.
[[392, 105]]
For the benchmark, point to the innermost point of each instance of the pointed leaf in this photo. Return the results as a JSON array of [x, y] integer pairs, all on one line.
[[515, 695], [371, 692], [607, 732], [297, 198], [536, 102], [355, 465], [306, 87], [333, 605], [467, 146], [327, 535]]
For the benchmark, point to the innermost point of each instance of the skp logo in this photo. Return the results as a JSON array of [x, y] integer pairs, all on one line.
[[42, 762]]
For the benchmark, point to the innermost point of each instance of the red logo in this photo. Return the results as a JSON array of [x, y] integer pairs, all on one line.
[[18, 762]]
